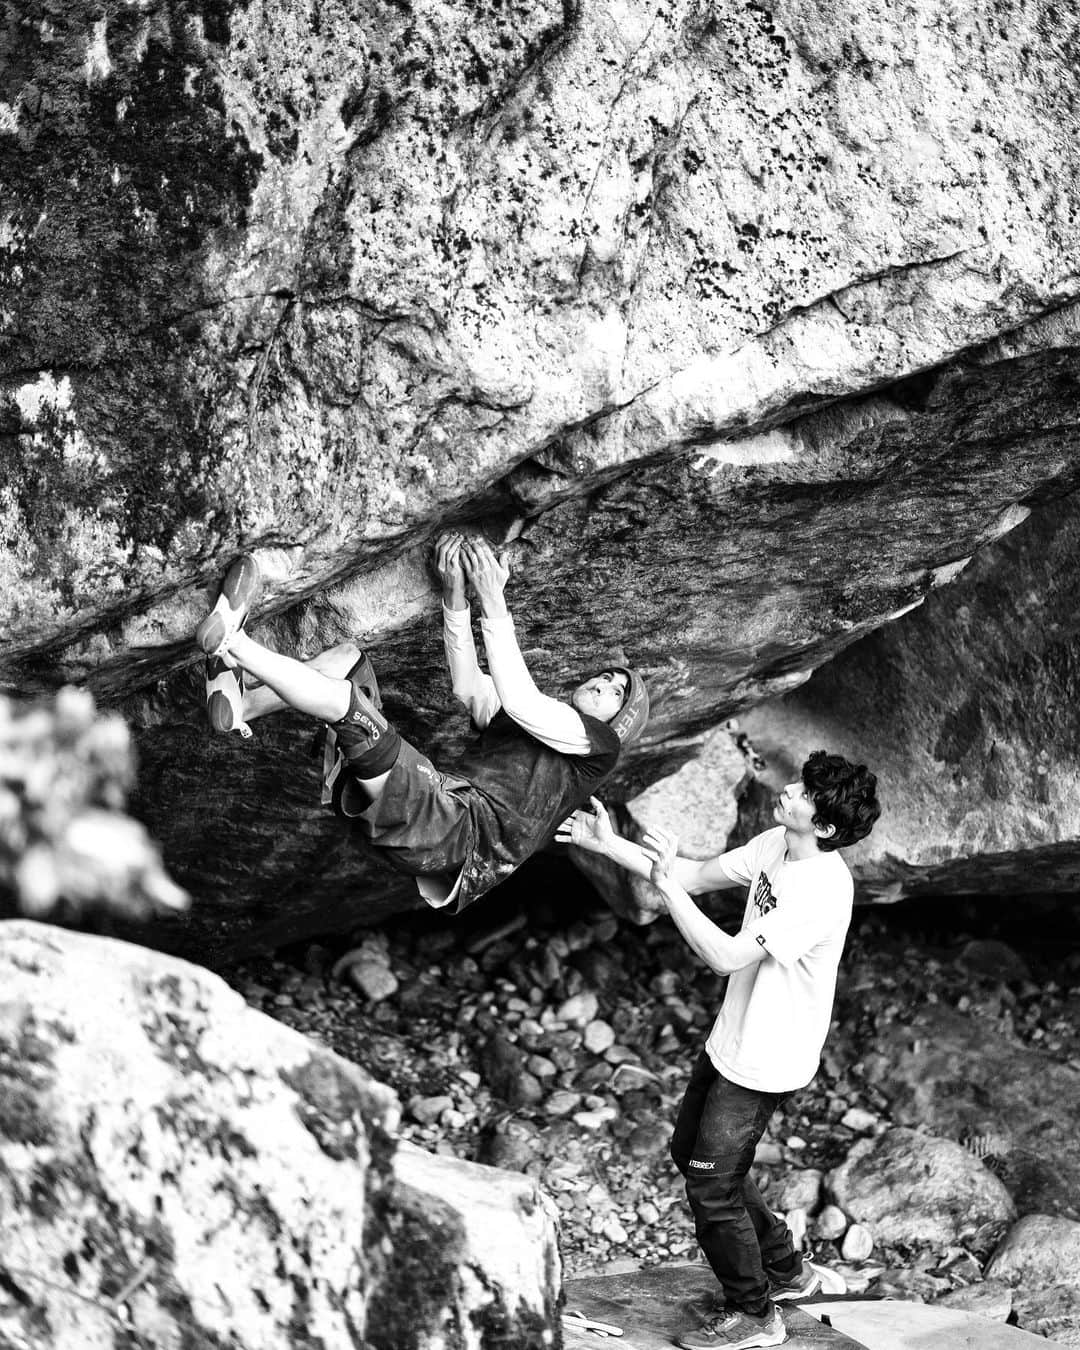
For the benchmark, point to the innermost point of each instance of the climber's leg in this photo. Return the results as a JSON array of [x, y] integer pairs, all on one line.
[[335, 662], [298, 684]]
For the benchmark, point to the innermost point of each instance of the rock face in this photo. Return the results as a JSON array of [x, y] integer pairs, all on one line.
[[966, 710], [746, 328], [179, 1169]]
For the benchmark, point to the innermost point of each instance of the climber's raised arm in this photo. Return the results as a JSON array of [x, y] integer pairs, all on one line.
[[550, 720], [470, 684]]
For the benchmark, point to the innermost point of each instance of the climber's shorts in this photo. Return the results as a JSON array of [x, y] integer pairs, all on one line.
[[420, 823]]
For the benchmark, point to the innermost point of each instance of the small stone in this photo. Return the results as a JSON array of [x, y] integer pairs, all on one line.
[[831, 1223], [614, 1231], [768, 1153], [800, 1190], [620, 1054], [561, 1103], [375, 980], [427, 1110], [649, 1139], [513, 1144], [862, 1122], [598, 1037], [541, 1067], [578, 1010], [595, 1119], [648, 1213], [858, 1243], [795, 1142]]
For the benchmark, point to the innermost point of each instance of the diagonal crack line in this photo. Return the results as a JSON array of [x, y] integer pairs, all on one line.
[[834, 297], [255, 389], [626, 77]]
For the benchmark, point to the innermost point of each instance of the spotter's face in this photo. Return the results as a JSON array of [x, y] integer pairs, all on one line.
[[795, 810]]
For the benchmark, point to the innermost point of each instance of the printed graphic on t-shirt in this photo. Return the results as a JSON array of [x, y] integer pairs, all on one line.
[[764, 900]]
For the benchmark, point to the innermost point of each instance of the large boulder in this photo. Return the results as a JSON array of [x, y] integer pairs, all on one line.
[[744, 329], [957, 1076], [913, 1189], [178, 1169]]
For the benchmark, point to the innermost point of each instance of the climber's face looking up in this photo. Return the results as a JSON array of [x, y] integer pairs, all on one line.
[[601, 696]]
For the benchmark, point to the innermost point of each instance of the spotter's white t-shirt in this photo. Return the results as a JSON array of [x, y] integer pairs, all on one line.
[[776, 1012]]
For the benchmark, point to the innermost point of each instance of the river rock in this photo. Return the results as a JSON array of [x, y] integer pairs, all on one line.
[[1053, 1312], [800, 1189], [989, 1298], [831, 1223], [503, 1064], [177, 1163], [858, 1243], [598, 1037], [1040, 1250], [578, 1010], [912, 1188], [511, 1143]]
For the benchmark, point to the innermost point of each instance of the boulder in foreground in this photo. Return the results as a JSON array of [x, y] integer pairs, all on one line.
[[177, 1169]]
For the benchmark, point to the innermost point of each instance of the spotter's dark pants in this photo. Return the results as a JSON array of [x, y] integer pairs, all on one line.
[[716, 1132]]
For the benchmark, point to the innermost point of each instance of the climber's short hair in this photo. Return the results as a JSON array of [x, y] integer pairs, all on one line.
[[844, 796]]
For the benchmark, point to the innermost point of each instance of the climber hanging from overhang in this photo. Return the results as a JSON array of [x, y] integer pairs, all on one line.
[[534, 761]]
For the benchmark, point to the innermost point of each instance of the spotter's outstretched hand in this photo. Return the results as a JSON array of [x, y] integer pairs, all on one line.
[[663, 849], [590, 830]]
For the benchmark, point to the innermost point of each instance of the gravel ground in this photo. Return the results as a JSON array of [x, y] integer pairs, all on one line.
[[550, 1036]]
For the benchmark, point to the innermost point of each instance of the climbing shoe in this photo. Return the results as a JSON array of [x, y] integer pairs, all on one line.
[[239, 591], [736, 1330], [225, 697], [788, 1288]]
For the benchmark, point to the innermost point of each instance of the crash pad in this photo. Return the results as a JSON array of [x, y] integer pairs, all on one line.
[[895, 1324], [653, 1306]]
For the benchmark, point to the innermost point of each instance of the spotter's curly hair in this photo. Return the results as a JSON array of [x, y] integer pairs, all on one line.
[[844, 796]]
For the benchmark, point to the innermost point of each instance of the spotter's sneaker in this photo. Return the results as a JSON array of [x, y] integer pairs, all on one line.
[[225, 697], [788, 1289], [239, 591], [735, 1330]]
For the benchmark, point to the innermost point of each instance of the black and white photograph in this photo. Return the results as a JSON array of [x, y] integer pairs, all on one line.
[[539, 674]]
